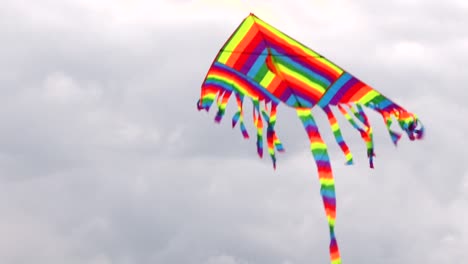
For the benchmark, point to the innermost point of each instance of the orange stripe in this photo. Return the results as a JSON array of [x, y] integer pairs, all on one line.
[[335, 255], [302, 87], [360, 94], [275, 83], [241, 46]]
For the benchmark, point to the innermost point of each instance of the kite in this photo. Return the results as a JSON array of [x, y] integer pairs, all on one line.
[[270, 68]]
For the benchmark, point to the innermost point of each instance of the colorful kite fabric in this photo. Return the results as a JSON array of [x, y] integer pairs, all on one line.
[[264, 64]]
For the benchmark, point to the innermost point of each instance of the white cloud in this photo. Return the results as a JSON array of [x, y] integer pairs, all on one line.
[[224, 260], [63, 89]]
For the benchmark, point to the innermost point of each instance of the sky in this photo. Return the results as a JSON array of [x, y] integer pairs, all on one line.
[[104, 158]]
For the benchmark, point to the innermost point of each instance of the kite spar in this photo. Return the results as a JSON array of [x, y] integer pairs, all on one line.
[[263, 64]]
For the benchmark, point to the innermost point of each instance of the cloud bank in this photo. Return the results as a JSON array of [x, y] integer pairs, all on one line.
[[104, 158]]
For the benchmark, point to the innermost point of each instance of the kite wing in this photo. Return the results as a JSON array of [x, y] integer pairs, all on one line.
[[262, 63]]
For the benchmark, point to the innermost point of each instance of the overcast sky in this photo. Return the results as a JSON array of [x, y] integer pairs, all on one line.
[[105, 159]]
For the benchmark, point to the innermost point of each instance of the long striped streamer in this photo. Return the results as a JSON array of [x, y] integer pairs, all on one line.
[[327, 189]]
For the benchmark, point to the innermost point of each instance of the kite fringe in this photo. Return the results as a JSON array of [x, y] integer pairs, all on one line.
[[365, 130], [408, 122], [239, 116], [338, 135], [260, 115]]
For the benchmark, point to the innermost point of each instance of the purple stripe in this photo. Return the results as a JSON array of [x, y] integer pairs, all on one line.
[[342, 91], [311, 129], [285, 95], [323, 164], [330, 201], [253, 57]]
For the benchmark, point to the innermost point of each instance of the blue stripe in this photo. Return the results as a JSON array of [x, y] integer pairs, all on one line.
[[304, 102], [291, 100], [257, 65], [384, 104], [328, 96]]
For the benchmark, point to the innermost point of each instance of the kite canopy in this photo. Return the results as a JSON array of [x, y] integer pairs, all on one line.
[[262, 63]]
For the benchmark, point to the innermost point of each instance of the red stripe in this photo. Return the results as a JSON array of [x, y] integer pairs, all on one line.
[[280, 90], [275, 84], [353, 90], [243, 44], [209, 89], [251, 90], [247, 52], [360, 94]]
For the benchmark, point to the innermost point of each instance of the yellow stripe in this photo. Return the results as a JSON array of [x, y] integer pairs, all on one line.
[[331, 65], [296, 75], [267, 79], [327, 182], [242, 30], [302, 112], [209, 96], [335, 127], [318, 145], [369, 96], [336, 261]]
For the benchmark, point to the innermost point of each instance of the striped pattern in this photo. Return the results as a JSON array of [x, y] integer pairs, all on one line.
[[366, 133], [327, 189], [338, 135], [263, 64], [289, 70]]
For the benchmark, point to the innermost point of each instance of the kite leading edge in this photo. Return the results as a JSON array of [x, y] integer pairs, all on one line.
[[270, 68]]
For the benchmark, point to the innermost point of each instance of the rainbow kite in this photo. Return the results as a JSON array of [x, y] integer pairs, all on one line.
[[264, 64]]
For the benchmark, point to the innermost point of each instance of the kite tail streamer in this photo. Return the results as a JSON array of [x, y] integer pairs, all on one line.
[[222, 101], [338, 135], [366, 133], [239, 116], [327, 190], [276, 142], [409, 123], [361, 115], [388, 122], [207, 97], [257, 117], [272, 140]]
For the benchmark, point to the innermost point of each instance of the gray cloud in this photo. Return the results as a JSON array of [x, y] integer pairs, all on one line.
[[105, 159]]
